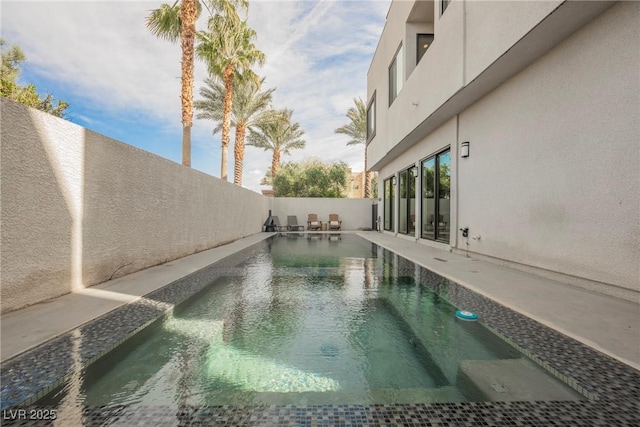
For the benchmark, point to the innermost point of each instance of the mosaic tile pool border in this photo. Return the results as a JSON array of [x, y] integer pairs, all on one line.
[[612, 387]]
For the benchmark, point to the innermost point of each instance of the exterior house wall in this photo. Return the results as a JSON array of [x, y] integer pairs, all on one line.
[[553, 178], [443, 137], [379, 73], [78, 207], [469, 37], [419, 96], [491, 28], [552, 183], [412, 30]]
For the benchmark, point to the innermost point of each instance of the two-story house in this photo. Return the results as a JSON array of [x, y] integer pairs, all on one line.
[[511, 130]]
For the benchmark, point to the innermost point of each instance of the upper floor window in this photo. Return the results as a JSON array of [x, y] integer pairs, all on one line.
[[371, 118], [423, 41], [396, 75], [443, 5]]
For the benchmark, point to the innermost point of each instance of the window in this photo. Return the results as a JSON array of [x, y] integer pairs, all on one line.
[[371, 118], [436, 195], [396, 75], [389, 198], [423, 41], [443, 5]]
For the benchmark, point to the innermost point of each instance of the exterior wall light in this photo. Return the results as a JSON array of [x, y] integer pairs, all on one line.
[[464, 149], [393, 180]]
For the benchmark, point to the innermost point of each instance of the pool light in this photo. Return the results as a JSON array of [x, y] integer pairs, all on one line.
[[466, 315]]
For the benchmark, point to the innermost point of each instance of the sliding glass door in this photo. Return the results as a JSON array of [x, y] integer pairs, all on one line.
[[436, 195], [389, 198], [407, 208]]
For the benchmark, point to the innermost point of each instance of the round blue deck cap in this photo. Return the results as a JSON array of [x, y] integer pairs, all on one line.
[[466, 315]]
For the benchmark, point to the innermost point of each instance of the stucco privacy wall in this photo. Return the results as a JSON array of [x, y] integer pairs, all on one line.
[[76, 206], [354, 213]]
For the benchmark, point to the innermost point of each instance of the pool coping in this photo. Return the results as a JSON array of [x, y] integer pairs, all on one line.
[[613, 387]]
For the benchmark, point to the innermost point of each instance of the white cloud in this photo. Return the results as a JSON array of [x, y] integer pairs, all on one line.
[[101, 51], [317, 53]]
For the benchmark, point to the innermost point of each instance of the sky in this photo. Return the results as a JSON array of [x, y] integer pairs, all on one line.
[[123, 82]]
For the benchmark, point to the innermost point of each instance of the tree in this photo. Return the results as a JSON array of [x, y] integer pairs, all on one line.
[[374, 185], [250, 108], [27, 95], [11, 61], [311, 179], [178, 22], [357, 130], [229, 52], [280, 136]]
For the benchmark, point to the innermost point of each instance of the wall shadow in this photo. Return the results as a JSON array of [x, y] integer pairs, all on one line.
[[37, 219]]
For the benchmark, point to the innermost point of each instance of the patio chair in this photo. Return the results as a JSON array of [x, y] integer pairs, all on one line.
[[313, 223], [334, 222], [292, 223], [276, 223]]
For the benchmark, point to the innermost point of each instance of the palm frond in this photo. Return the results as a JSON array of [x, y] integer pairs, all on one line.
[[278, 133], [357, 127], [228, 43], [250, 105], [229, 8], [165, 22], [258, 139]]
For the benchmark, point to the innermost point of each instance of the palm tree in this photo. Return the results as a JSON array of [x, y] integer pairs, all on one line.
[[250, 109], [228, 50], [280, 136], [357, 130], [178, 22]]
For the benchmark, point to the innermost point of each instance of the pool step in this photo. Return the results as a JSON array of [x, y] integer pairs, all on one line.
[[510, 380]]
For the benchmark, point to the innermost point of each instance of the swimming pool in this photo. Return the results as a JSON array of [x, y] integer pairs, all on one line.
[[312, 319]]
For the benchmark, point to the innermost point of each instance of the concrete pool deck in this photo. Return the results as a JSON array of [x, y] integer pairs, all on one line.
[[607, 324]]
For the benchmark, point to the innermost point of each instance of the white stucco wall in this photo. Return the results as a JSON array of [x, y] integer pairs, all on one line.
[[442, 138], [553, 179], [492, 27], [76, 206], [354, 213], [477, 45], [378, 75]]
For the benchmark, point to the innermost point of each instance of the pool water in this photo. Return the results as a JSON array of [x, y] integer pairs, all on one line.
[[305, 319]]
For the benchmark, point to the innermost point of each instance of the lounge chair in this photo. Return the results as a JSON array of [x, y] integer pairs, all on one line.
[[292, 223], [276, 223], [313, 223], [334, 222]]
